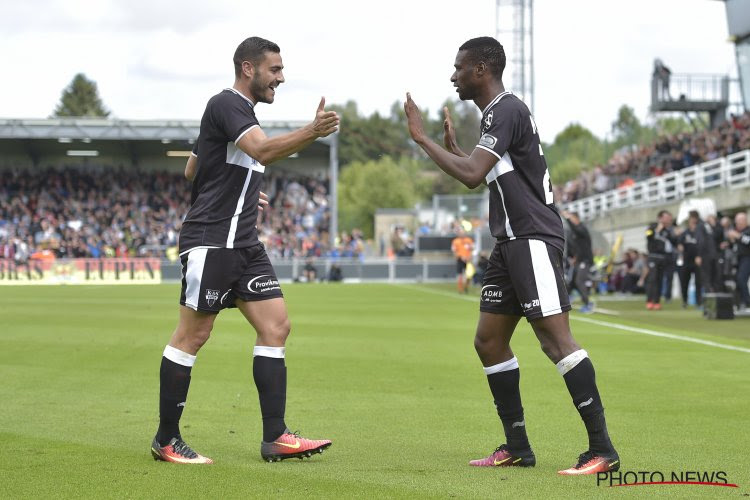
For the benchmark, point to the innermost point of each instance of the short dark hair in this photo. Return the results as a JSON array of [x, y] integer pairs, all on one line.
[[252, 49], [662, 212], [487, 50]]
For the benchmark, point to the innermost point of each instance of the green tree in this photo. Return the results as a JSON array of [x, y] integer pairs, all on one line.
[[384, 183], [368, 138], [81, 98], [575, 148], [674, 125]]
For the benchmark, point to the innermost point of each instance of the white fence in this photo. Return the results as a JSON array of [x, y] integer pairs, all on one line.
[[731, 172]]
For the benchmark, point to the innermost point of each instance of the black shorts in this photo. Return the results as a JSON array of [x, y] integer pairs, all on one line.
[[460, 266], [213, 278], [524, 278]]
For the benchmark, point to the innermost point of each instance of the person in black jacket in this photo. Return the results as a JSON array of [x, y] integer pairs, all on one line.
[[581, 258], [690, 262], [740, 236], [707, 253], [711, 254], [661, 241]]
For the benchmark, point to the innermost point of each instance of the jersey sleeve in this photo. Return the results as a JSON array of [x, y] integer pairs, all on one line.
[[194, 152], [501, 133], [234, 117]]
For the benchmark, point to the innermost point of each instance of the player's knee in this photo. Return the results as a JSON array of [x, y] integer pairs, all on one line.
[[279, 331], [482, 343], [551, 349], [200, 337]]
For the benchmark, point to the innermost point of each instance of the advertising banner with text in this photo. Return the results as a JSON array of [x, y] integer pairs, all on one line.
[[81, 272]]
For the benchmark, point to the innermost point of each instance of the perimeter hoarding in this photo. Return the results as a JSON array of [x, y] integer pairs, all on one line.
[[81, 272]]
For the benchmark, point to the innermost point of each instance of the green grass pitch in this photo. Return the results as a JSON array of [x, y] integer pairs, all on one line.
[[388, 372]]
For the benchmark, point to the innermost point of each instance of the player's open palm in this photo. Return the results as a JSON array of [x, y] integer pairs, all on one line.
[[413, 118], [449, 133], [326, 122]]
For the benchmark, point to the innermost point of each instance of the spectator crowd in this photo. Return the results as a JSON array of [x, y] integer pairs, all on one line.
[[670, 153], [99, 212]]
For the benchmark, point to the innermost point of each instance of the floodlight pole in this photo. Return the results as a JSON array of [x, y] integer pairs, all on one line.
[[514, 27]]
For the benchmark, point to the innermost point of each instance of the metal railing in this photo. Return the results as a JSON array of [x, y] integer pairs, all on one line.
[[697, 87], [730, 172]]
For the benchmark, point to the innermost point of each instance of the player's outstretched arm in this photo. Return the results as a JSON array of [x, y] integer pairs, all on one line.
[[449, 134], [270, 149], [191, 167], [469, 170]]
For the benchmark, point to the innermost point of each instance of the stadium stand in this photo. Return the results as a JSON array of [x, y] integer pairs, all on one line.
[[667, 154], [99, 212]]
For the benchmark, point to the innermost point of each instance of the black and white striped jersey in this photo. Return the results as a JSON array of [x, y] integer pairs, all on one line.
[[225, 191], [521, 203]]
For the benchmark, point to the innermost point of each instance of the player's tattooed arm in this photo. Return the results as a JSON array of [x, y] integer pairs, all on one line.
[[270, 149], [469, 170], [449, 134]]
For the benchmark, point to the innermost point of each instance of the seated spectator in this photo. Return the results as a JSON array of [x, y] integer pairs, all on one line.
[[310, 272]]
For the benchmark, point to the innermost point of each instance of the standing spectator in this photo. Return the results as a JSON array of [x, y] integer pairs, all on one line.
[[660, 241], [581, 258], [707, 252], [463, 248], [740, 236], [662, 74], [689, 263]]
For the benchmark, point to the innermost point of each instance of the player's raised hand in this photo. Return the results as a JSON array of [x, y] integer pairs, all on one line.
[[326, 122], [449, 133], [414, 119]]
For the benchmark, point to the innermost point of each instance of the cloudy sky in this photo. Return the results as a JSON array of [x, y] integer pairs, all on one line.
[[164, 59]]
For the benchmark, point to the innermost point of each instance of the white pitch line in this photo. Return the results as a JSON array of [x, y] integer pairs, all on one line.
[[633, 329], [665, 335]]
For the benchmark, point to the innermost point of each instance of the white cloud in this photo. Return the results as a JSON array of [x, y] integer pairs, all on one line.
[[165, 59]]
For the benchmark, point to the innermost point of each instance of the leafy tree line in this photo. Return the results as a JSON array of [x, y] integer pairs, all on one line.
[[382, 168], [576, 148]]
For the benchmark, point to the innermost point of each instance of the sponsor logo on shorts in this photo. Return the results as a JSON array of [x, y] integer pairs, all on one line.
[[211, 296], [530, 305], [263, 283], [492, 294], [488, 141]]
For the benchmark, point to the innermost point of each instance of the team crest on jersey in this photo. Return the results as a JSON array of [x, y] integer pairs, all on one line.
[[488, 120], [488, 141], [211, 296]]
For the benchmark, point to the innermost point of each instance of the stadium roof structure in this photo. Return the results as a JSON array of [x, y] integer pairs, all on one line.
[[142, 142], [39, 136], [95, 128]]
